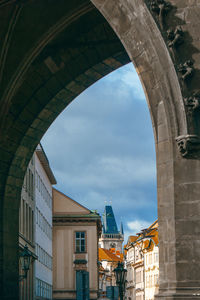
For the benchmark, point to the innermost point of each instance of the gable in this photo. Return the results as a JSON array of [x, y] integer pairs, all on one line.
[[64, 205]]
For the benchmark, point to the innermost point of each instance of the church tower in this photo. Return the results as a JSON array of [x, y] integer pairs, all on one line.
[[111, 237]]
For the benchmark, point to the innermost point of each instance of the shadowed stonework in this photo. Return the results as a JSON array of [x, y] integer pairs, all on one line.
[[51, 51]]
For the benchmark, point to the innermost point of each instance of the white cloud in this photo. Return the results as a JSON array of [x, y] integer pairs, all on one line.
[[137, 225], [102, 145], [108, 172], [127, 78]]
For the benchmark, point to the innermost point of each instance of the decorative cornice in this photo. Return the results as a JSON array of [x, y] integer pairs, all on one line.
[[189, 146], [73, 220]]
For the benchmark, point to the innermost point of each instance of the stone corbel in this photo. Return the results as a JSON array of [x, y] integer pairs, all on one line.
[[189, 146], [161, 9]]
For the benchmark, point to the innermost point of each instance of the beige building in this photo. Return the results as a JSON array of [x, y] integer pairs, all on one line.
[[76, 231]]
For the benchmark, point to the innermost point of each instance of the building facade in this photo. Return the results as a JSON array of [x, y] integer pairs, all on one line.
[[44, 179], [151, 262], [26, 231], [35, 227], [76, 231], [130, 261], [111, 237], [108, 260], [142, 261]]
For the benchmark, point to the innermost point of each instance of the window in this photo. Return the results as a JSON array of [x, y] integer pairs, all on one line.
[[27, 222], [155, 257], [80, 242], [150, 258], [138, 276]]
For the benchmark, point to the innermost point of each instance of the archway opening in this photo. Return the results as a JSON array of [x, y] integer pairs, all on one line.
[[102, 149], [72, 48]]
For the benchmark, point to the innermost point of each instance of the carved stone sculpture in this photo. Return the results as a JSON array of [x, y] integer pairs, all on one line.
[[193, 102], [161, 8], [175, 37], [192, 105], [189, 146], [186, 69]]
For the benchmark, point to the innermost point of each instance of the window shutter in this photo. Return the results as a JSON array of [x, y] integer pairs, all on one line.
[[109, 292], [79, 285], [116, 292], [86, 286]]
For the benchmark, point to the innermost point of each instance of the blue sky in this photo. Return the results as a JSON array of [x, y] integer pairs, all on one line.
[[101, 150]]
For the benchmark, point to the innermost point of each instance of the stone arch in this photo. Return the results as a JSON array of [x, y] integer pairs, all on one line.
[[46, 77]]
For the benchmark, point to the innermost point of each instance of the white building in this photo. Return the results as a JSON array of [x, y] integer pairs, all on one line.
[[151, 262], [26, 231], [143, 264], [130, 261], [44, 179]]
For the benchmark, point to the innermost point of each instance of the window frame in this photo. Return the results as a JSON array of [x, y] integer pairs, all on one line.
[[75, 243]]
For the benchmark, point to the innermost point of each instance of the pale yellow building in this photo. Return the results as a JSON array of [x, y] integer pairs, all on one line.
[[76, 231]]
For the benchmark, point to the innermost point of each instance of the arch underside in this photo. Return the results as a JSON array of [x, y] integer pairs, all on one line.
[[49, 56]]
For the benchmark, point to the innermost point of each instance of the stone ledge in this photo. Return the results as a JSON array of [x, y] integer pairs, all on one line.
[[180, 293]]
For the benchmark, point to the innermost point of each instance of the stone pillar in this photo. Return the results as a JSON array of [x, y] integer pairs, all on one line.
[[179, 218], [9, 245]]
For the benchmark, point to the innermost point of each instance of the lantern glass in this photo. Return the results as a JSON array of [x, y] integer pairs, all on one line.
[[26, 264], [124, 274], [25, 258], [120, 273]]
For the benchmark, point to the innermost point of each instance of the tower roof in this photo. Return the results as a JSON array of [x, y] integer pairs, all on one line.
[[109, 223]]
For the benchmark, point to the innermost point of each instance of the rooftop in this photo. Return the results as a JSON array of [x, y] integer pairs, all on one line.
[[109, 223], [108, 255]]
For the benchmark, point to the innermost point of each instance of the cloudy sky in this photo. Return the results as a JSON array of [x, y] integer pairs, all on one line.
[[101, 149]]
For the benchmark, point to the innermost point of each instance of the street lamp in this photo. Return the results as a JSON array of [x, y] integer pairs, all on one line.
[[25, 260], [120, 275]]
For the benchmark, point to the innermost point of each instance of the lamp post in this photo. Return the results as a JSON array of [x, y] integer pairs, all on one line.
[[120, 275], [25, 260]]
